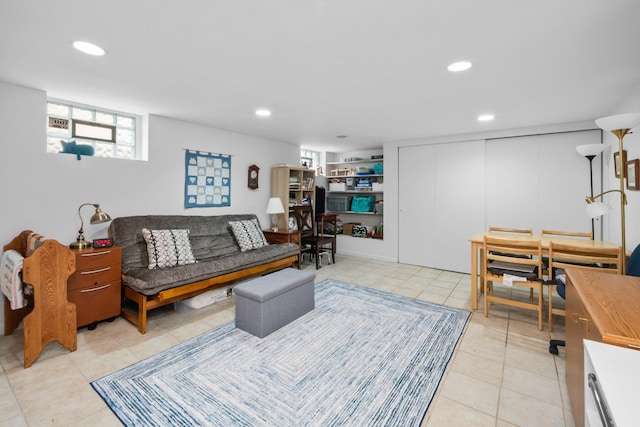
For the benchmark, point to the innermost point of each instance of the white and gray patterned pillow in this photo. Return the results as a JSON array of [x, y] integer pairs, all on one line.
[[248, 234], [168, 248]]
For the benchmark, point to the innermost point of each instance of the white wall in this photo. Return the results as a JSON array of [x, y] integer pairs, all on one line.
[[42, 191]]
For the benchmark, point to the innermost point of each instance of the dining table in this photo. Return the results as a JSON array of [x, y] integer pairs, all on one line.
[[477, 241]]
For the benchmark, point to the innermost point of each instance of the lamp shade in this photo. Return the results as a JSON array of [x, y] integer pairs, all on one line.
[[590, 150], [619, 121], [596, 209], [275, 206], [99, 217]]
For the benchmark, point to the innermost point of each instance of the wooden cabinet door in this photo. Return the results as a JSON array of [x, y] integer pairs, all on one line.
[[578, 327], [576, 332]]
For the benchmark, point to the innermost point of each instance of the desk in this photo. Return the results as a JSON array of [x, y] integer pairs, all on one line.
[[600, 307], [478, 240], [284, 236]]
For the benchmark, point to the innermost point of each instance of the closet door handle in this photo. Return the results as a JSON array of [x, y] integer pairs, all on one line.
[[95, 289]]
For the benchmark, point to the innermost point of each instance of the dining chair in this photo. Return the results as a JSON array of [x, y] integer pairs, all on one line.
[[559, 233], [505, 231], [524, 231], [513, 264], [563, 256], [314, 238]]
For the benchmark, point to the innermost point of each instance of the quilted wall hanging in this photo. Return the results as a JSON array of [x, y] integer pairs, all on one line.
[[207, 180]]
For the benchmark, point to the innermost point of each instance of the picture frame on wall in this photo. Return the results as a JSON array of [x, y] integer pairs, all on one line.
[[633, 174], [616, 161]]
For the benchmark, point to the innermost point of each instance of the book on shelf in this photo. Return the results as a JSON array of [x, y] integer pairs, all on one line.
[[307, 184]]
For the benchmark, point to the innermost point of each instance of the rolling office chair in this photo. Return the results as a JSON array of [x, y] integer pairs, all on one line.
[[633, 269], [633, 263]]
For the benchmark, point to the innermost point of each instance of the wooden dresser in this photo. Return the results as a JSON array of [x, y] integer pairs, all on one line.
[[600, 307], [95, 286]]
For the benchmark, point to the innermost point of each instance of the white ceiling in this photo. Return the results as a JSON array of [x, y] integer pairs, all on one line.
[[374, 70]]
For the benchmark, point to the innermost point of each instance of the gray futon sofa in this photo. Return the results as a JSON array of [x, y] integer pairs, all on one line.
[[220, 260]]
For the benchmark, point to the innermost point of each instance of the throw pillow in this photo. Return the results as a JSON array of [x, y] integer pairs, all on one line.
[[248, 234], [168, 248]]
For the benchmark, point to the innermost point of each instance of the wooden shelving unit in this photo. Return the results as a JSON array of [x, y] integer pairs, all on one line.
[[355, 178], [294, 185]]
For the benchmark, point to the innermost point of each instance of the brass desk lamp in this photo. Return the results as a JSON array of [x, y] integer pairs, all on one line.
[[97, 218]]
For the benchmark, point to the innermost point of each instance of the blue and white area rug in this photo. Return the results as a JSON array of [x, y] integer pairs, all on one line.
[[361, 358]]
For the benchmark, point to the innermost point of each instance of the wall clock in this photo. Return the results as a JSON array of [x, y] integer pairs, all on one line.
[[252, 182]]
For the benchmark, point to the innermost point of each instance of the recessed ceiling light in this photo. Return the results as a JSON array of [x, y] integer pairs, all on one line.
[[341, 136], [459, 66], [89, 48], [263, 113], [486, 117]]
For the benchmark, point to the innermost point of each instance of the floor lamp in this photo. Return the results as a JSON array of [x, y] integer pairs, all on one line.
[[619, 125], [590, 151]]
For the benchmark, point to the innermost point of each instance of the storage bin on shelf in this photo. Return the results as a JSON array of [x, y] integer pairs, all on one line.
[[363, 203], [339, 203], [347, 228], [341, 172], [337, 186]]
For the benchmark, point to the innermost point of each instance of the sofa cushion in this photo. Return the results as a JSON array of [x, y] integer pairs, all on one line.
[[168, 248], [248, 234], [210, 236], [150, 282]]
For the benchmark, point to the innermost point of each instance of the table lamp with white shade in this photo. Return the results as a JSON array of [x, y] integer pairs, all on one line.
[[274, 208]]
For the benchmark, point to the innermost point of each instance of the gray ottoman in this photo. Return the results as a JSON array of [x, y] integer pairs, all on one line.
[[266, 304]]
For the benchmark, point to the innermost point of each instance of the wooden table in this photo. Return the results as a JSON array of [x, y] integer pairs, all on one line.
[[478, 240], [284, 236]]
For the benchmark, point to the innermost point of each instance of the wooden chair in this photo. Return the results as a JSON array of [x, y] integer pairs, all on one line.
[[313, 236], [504, 259], [505, 231], [562, 256], [559, 233], [556, 233], [524, 231]]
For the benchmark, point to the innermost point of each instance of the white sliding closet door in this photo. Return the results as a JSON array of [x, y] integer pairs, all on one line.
[[540, 181], [513, 182], [416, 199], [459, 202], [441, 201], [449, 192], [564, 181]]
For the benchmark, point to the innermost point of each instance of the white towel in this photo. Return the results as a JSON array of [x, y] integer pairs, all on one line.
[[508, 279], [10, 282]]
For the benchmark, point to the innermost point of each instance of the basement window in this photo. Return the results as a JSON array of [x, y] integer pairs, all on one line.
[[309, 158], [109, 133]]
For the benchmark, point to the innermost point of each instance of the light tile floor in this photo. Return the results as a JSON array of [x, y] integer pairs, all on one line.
[[501, 375]]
